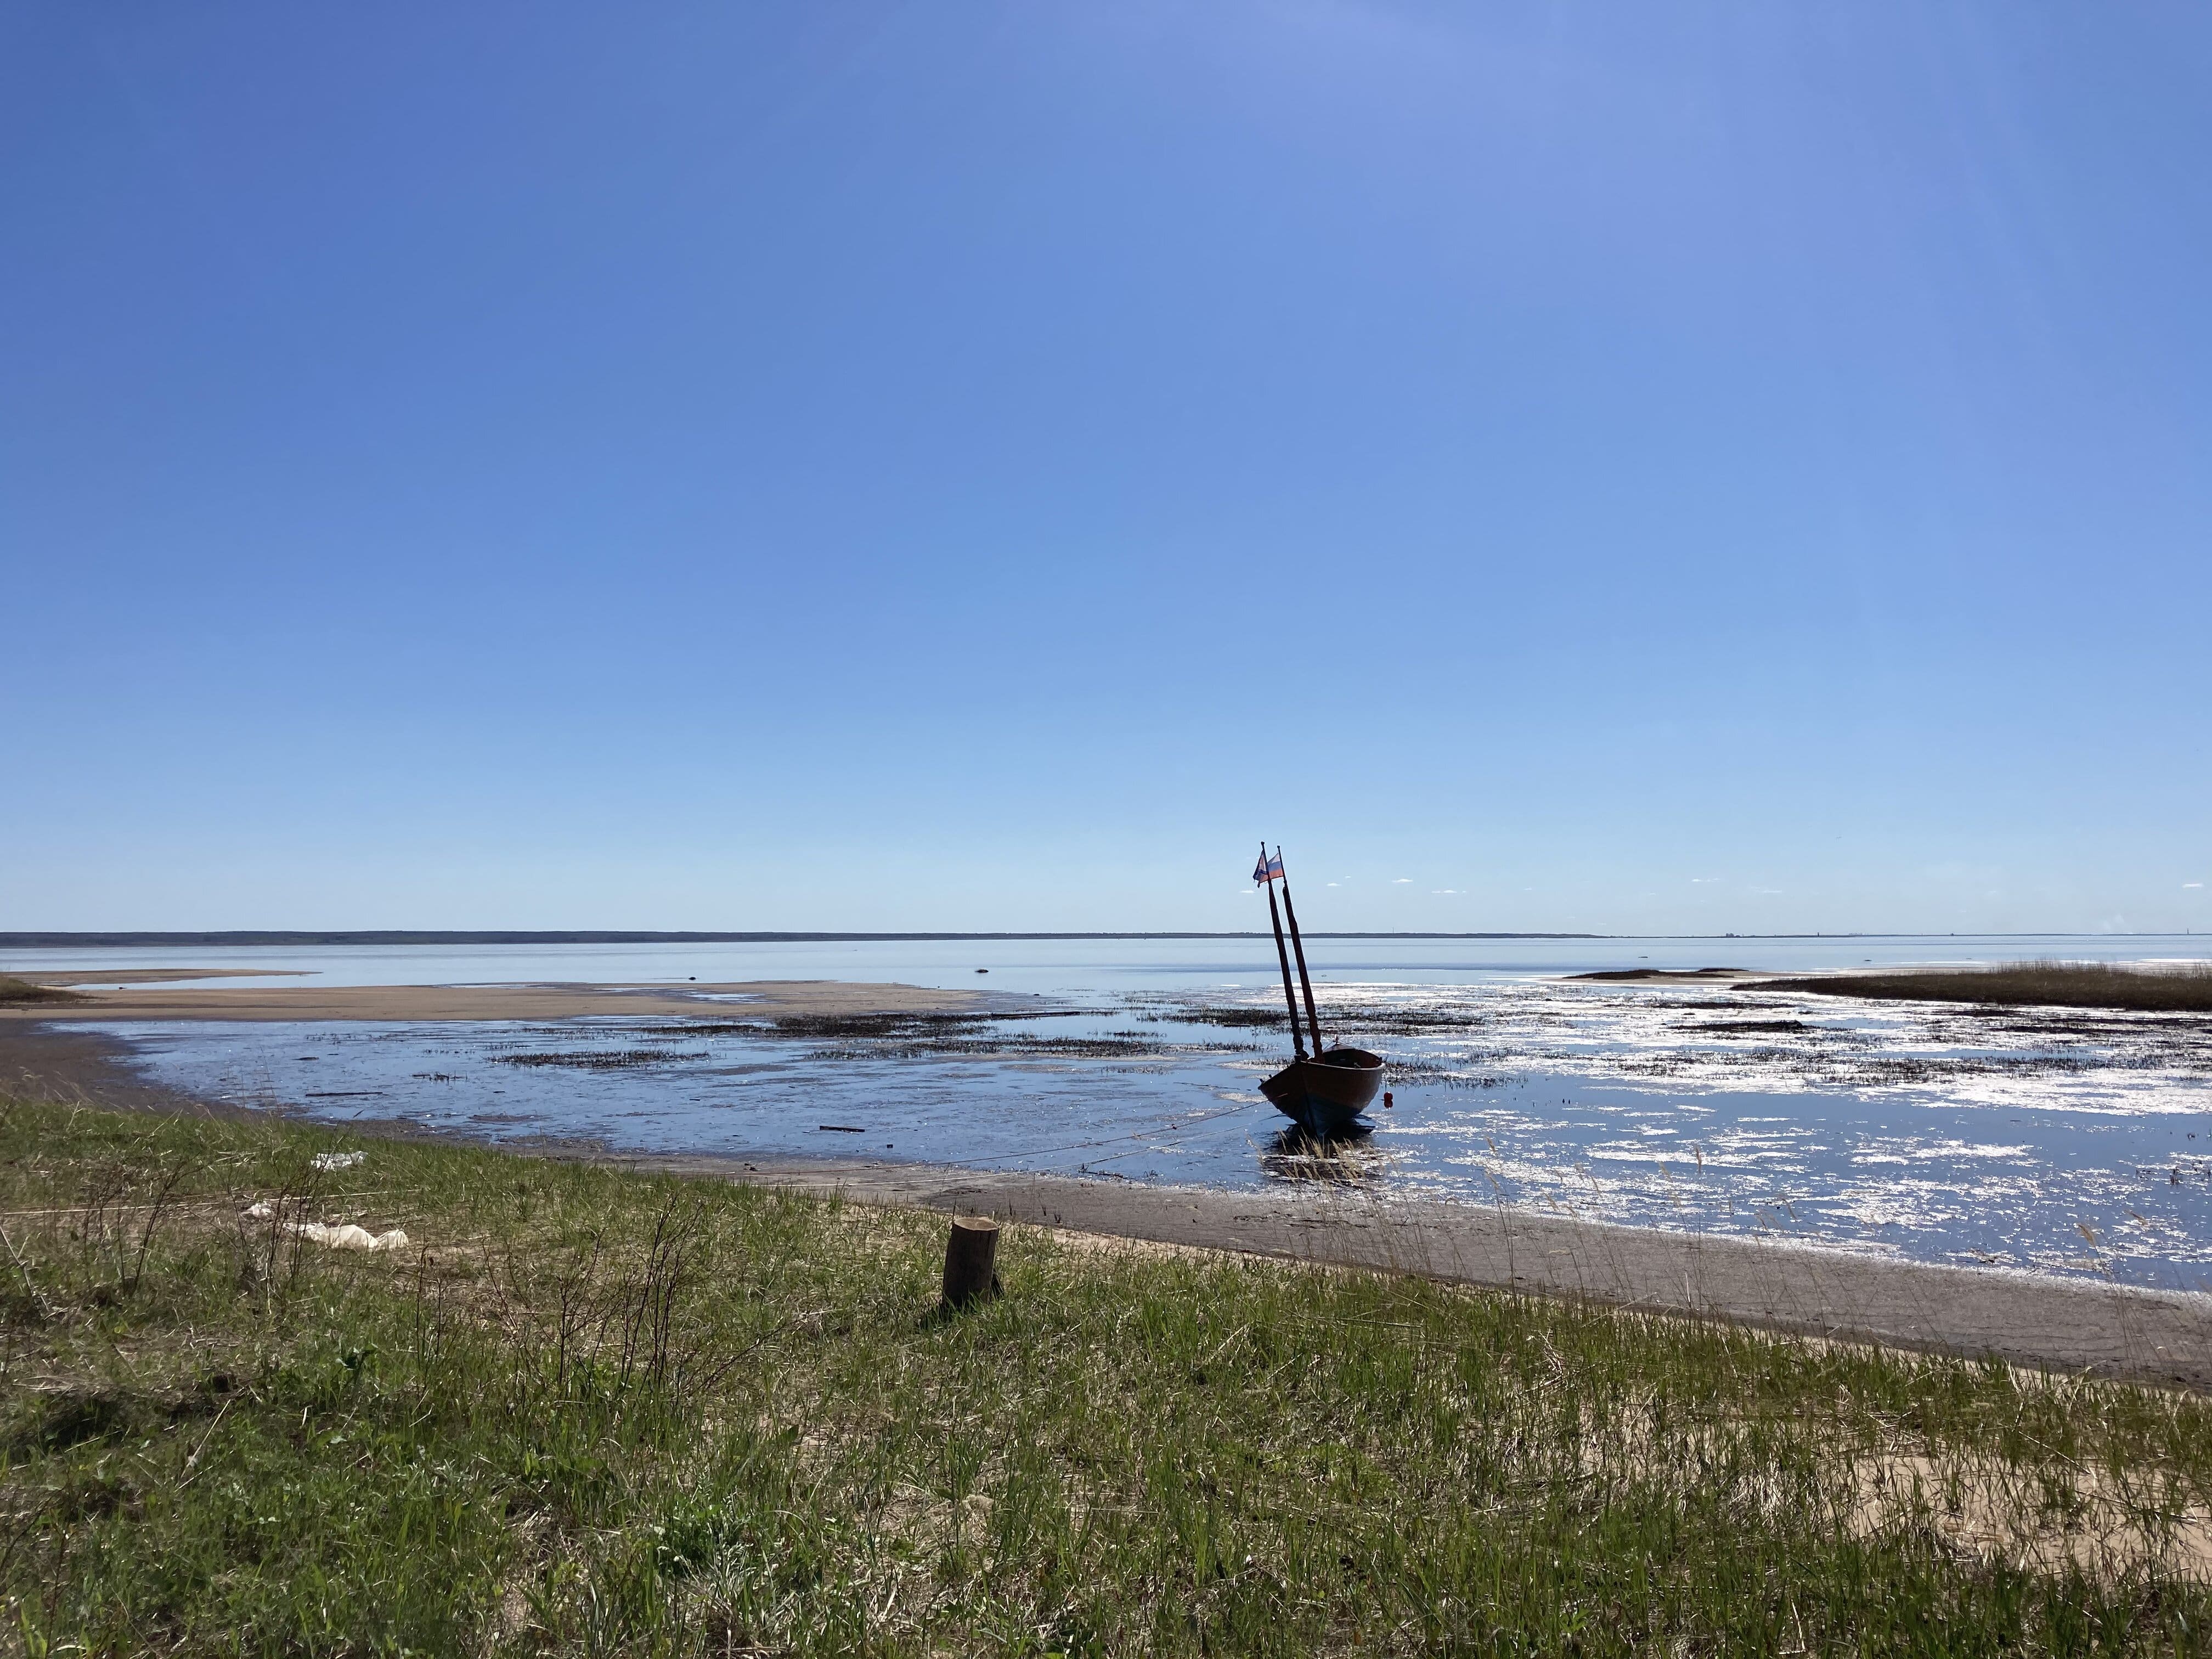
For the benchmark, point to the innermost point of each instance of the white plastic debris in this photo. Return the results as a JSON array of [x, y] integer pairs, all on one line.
[[346, 1238], [350, 1238], [337, 1160]]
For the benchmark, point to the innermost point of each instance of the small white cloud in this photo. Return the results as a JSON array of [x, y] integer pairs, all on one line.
[[1446, 892], [1703, 881], [1401, 881], [1330, 883], [2192, 883]]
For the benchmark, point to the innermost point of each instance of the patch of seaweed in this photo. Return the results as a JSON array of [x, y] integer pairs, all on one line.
[[857, 1027], [601, 1060], [1234, 1018], [1636, 974], [1377, 1019], [1742, 1027], [1013, 1046]]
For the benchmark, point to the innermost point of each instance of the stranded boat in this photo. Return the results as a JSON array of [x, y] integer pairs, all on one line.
[[1325, 1093]]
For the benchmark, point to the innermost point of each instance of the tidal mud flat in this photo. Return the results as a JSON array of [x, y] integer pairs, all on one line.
[[2057, 1141]]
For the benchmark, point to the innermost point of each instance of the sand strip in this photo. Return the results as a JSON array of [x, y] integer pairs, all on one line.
[[765, 999]]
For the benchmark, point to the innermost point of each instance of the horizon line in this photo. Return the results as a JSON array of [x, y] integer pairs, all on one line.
[[62, 939]]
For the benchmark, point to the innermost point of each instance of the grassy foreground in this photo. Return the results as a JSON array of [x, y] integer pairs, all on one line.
[[2181, 988], [589, 1412]]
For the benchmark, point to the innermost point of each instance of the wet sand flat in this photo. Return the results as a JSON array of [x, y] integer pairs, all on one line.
[[153, 999]]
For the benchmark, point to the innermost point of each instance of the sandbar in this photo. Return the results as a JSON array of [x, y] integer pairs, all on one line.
[[762, 999]]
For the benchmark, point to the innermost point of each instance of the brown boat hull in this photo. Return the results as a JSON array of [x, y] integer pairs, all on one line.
[[1324, 1095]]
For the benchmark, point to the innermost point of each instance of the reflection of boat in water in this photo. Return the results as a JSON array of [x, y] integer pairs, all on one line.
[[1323, 1093], [1296, 1156]]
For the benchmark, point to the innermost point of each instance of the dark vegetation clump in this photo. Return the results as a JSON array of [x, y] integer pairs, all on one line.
[[816, 1027], [1390, 1019], [910, 1027], [1659, 973], [20, 993], [1011, 1045], [602, 1059], [2181, 988], [858, 1028], [1337, 1020], [1234, 1018], [895, 1036], [589, 1411], [1743, 1027]]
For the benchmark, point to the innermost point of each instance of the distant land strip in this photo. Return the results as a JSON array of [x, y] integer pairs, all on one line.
[[57, 941], [70, 941]]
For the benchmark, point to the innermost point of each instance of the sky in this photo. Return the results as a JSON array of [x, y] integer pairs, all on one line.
[[1693, 468]]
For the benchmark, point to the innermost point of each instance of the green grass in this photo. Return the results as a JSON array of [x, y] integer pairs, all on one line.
[[589, 1411], [2184, 987]]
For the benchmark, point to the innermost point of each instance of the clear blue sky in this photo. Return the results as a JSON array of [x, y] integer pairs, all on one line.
[[1624, 468]]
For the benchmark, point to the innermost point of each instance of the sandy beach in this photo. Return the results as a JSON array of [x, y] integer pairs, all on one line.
[[2022, 1318], [150, 995]]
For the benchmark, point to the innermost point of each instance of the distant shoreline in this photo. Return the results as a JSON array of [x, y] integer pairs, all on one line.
[[70, 941]]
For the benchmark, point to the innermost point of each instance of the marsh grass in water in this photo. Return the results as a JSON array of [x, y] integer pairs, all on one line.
[[591, 1411], [20, 993], [603, 1060], [2182, 987]]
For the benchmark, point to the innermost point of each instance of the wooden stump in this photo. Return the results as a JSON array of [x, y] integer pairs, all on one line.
[[971, 1256]]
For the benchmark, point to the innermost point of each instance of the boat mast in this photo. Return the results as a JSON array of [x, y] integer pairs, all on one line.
[[1313, 1019], [1289, 996]]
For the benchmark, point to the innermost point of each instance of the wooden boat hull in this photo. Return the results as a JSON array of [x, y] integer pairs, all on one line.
[[1325, 1095]]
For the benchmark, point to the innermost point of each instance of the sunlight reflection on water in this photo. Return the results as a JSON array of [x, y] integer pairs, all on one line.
[[2068, 1143]]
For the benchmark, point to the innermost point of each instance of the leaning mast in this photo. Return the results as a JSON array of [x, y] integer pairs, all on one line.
[[1312, 1017], [1267, 881]]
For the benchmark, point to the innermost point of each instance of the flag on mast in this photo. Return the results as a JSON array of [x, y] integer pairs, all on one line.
[[1267, 869]]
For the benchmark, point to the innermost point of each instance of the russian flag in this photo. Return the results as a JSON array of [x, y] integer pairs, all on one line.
[[1267, 869]]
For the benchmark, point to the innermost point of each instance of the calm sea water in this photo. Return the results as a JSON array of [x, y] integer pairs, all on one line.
[[2057, 1141]]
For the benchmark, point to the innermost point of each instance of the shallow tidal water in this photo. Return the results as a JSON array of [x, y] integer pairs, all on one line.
[[2061, 1141]]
